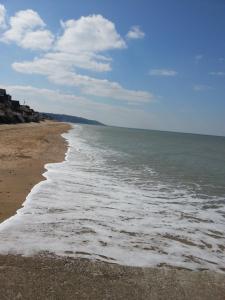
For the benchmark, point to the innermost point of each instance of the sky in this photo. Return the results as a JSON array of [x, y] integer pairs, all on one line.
[[153, 64]]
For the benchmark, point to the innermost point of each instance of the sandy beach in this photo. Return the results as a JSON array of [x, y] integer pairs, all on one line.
[[49, 277], [24, 150]]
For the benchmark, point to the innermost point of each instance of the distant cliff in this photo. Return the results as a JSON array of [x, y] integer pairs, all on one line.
[[11, 111], [71, 119]]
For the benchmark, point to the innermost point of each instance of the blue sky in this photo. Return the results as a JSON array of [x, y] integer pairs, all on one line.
[[143, 63]]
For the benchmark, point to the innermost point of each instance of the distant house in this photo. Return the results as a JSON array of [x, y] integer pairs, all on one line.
[[12, 112]]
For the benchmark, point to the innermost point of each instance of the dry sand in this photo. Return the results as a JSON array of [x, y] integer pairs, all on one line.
[[24, 149]]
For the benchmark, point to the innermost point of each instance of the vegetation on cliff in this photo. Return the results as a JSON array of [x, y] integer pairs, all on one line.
[[71, 119]]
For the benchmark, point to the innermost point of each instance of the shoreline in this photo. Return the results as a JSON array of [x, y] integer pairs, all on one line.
[[24, 151]]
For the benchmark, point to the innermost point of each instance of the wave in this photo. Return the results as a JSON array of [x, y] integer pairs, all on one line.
[[87, 209]]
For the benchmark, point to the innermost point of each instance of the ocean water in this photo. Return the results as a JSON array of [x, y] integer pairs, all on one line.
[[133, 197]]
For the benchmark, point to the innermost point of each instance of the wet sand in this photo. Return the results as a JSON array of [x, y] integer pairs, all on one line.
[[24, 149], [46, 277]]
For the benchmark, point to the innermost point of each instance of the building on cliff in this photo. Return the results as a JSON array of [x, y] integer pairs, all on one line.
[[12, 112]]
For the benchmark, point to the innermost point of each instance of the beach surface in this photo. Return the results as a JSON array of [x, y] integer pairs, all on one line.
[[46, 277], [24, 150]]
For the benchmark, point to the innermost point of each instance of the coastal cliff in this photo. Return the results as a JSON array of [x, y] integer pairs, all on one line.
[[12, 112], [71, 119]]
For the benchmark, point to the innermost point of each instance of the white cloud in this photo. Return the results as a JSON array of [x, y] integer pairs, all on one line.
[[103, 88], [2, 16], [135, 33], [23, 21], [61, 74], [27, 31], [162, 72], [82, 60], [83, 41], [89, 34], [218, 73], [23, 92], [37, 40], [82, 45], [201, 87]]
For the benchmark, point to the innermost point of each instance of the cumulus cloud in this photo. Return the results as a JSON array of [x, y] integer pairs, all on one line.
[[80, 45], [83, 44], [89, 34], [2, 16], [84, 40], [37, 40], [162, 72], [26, 29], [135, 33]]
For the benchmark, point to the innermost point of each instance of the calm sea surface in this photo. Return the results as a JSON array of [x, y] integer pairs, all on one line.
[[134, 197]]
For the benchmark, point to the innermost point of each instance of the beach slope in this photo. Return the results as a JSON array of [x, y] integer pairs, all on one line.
[[46, 277], [24, 150]]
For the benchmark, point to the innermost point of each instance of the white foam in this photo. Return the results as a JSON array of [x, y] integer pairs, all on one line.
[[81, 210]]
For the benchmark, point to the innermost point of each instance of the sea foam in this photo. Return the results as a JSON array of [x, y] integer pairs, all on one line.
[[84, 209]]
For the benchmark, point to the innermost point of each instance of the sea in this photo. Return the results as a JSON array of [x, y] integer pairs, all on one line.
[[128, 196]]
